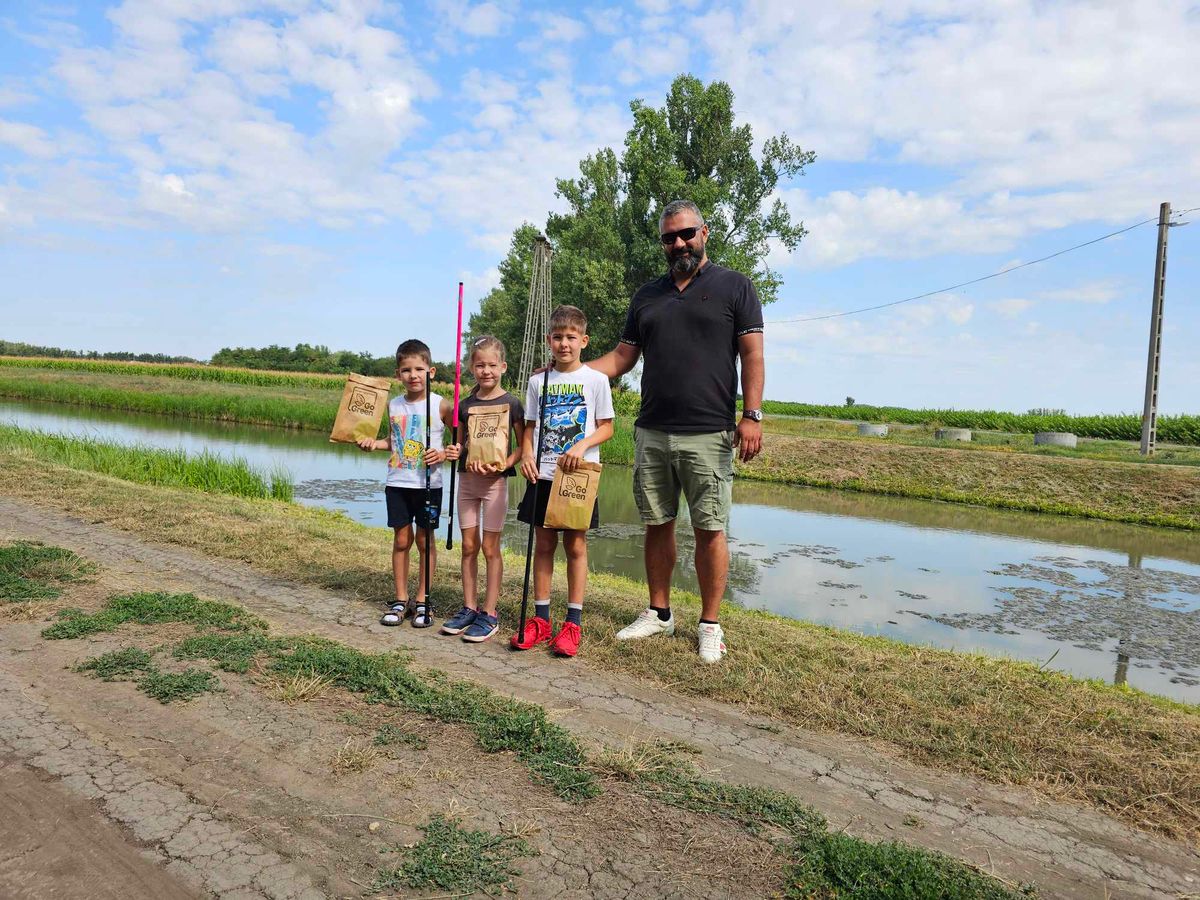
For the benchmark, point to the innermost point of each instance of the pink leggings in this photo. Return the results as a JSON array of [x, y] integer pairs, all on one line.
[[489, 492]]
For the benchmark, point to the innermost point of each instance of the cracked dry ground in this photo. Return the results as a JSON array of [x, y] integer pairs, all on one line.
[[110, 794]]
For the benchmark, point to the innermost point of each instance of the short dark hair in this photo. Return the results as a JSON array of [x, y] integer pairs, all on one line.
[[675, 207], [568, 317], [413, 348]]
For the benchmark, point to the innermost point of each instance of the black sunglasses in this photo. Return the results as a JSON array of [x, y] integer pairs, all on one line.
[[686, 234]]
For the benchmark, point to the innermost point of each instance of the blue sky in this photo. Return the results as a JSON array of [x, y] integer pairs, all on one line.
[[182, 175]]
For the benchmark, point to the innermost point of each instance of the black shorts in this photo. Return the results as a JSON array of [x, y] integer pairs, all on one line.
[[404, 505], [525, 510]]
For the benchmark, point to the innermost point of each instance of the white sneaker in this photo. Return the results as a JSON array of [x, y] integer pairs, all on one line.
[[712, 643], [647, 624]]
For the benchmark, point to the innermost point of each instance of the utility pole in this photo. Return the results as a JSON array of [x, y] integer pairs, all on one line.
[[1150, 410]]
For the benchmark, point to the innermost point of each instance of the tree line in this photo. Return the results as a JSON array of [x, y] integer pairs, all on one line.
[[20, 348]]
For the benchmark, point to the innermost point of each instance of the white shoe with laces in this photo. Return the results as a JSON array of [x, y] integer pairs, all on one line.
[[647, 624], [712, 642]]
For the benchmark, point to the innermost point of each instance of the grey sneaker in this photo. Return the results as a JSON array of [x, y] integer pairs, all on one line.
[[459, 622]]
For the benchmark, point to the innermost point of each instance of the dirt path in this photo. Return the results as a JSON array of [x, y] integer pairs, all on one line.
[[1067, 850]]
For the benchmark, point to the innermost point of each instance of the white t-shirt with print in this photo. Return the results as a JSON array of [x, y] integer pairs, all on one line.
[[406, 421], [574, 401]]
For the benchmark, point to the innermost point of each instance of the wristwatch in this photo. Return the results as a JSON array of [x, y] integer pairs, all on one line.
[[754, 415]]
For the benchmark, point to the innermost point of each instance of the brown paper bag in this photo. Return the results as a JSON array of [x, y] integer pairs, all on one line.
[[363, 403], [573, 497], [487, 434]]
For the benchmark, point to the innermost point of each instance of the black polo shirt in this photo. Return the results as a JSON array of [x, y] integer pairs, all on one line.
[[689, 345]]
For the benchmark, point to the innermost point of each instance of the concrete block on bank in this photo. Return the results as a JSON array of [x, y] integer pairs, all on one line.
[[1055, 438], [953, 434], [868, 430]]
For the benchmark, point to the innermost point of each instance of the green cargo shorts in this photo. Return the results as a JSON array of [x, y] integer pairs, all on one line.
[[701, 465]]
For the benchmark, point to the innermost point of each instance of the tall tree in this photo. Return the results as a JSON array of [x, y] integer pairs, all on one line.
[[606, 243]]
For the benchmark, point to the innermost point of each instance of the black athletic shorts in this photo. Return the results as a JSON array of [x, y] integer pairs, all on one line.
[[525, 510], [404, 505]]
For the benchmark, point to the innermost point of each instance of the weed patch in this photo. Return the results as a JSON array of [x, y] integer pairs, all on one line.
[[829, 866], [169, 687], [32, 571], [133, 663], [389, 735], [452, 858], [821, 865], [152, 609], [118, 665]]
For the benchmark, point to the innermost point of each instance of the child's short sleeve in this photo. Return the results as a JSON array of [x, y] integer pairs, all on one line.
[[516, 412], [603, 396], [532, 403]]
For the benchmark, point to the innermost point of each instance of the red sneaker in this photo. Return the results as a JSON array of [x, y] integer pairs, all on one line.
[[537, 630], [566, 642]]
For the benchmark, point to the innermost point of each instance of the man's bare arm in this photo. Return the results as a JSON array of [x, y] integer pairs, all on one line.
[[617, 361], [754, 369], [754, 374]]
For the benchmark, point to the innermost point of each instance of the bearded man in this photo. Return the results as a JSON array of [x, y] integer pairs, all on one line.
[[690, 328]]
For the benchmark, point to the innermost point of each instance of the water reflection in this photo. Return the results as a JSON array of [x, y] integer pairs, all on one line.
[[1072, 591]]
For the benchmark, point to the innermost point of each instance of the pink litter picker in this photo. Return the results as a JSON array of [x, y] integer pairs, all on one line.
[[457, 436]]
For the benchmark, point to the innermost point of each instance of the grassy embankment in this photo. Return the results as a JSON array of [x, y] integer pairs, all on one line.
[[987, 474], [1179, 429], [146, 465], [1134, 756], [812, 861]]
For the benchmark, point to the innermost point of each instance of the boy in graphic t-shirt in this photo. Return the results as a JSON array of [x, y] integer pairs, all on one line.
[[578, 418]]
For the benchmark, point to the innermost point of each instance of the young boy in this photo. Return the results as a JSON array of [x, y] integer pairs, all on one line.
[[405, 490], [578, 417]]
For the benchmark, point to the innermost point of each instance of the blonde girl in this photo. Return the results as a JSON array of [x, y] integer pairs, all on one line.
[[483, 492]]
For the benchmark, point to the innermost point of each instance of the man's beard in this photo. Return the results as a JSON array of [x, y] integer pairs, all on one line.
[[686, 261]]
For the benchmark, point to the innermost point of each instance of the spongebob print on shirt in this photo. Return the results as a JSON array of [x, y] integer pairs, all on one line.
[[408, 441], [406, 464]]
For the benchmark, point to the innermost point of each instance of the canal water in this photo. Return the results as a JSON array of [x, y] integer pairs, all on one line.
[[1096, 599]]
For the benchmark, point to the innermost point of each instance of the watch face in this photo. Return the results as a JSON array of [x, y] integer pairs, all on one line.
[[754, 415]]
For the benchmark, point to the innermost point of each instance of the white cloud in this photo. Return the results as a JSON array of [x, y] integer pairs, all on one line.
[[1097, 292], [1011, 307], [29, 139], [1042, 115]]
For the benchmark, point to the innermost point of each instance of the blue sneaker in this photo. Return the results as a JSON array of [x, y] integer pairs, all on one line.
[[459, 622], [482, 628]]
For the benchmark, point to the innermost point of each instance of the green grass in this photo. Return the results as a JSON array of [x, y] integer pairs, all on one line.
[[820, 864], [145, 465], [181, 371], [118, 665], [32, 571], [1177, 429], [136, 664], [300, 406], [500, 724], [389, 735], [152, 608], [456, 859]]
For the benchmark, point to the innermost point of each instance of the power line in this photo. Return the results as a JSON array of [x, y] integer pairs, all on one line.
[[962, 284]]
